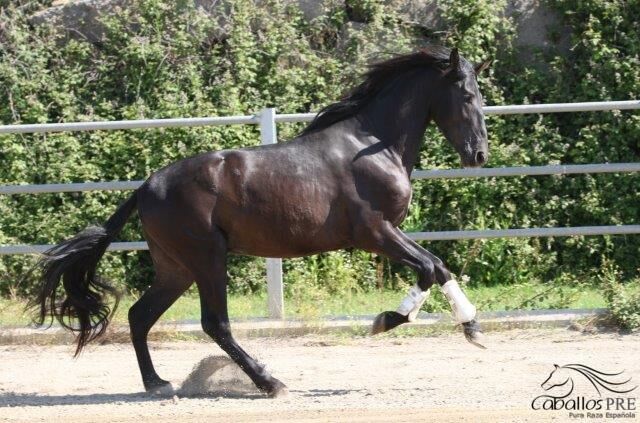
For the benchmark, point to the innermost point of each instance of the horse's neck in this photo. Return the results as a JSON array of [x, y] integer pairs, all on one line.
[[399, 117]]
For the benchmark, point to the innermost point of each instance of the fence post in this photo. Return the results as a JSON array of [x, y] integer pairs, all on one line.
[[275, 296]]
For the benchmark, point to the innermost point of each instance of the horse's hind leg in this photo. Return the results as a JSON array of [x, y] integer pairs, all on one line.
[[209, 266], [170, 282]]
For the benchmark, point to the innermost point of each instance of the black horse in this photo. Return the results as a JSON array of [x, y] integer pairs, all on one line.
[[343, 182]]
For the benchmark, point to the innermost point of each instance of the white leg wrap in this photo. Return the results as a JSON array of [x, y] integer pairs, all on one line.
[[410, 305], [462, 309]]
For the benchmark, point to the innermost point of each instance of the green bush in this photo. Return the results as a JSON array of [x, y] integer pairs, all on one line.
[[159, 60], [623, 300]]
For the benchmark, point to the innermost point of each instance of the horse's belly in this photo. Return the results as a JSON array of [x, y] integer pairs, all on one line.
[[297, 231], [279, 204], [283, 237]]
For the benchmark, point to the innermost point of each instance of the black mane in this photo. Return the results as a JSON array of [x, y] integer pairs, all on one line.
[[378, 75]]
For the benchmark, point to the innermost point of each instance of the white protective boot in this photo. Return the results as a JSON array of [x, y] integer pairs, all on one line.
[[410, 305], [461, 308]]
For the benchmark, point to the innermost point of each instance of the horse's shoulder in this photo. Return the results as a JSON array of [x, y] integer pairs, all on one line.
[[382, 169]]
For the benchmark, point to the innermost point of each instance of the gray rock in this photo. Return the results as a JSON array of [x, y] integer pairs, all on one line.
[[533, 19], [79, 18]]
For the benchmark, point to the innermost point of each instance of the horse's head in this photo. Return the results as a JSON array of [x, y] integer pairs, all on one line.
[[458, 110], [558, 377]]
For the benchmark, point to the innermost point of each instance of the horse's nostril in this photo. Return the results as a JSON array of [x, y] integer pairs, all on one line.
[[481, 157]]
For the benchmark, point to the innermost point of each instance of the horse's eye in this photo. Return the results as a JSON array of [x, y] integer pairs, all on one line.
[[468, 98]]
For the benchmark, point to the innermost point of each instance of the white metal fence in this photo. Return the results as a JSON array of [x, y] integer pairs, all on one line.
[[267, 120]]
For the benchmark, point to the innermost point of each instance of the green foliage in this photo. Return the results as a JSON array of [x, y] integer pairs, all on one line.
[[623, 301], [317, 277], [159, 59]]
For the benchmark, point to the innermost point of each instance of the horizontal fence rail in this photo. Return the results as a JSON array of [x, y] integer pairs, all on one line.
[[296, 117], [417, 174], [37, 249], [594, 106], [416, 236], [525, 232], [127, 124], [518, 109], [75, 187], [524, 171]]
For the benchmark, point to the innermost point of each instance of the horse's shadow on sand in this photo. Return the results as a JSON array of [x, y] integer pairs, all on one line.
[[40, 400], [214, 377]]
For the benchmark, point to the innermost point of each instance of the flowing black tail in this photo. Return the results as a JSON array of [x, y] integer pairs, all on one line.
[[73, 262]]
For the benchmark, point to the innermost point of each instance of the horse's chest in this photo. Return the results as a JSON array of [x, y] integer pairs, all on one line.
[[389, 195], [398, 199], [382, 185]]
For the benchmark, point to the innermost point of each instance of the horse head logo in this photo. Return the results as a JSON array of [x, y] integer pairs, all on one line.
[[563, 376]]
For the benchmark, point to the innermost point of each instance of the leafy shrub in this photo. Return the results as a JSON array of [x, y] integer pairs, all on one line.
[[623, 300]]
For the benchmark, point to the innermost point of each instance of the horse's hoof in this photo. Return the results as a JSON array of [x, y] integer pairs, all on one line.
[[160, 388], [278, 391], [387, 320], [474, 334]]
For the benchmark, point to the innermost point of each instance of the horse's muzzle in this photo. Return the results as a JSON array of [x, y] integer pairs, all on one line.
[[477, 159], [481, 158]]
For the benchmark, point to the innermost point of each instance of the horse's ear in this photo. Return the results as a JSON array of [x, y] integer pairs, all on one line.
[[455, 70], [481, 67]]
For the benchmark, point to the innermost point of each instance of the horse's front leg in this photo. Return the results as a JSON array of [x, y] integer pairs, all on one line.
[[390, 241]]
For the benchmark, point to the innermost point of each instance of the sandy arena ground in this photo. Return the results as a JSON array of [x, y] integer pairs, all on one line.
[[330, 378]]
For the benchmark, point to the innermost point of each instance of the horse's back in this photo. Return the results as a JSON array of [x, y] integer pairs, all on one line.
[[282, 200]]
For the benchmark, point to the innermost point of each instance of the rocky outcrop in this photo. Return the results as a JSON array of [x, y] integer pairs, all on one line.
[[534, 22], [81, 18]]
